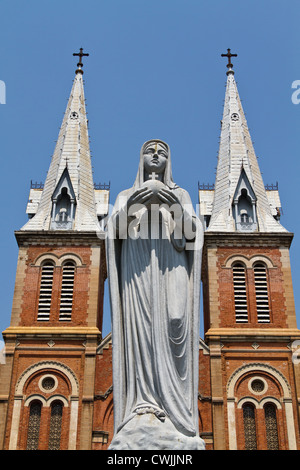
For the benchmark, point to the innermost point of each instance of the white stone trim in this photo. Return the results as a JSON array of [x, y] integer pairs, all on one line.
[[57, 398], [15, 423], [19, 396], [290, 424], [262, 259], [40, 260], [46, 402], [235, 259], [58, 260], [257, 367], [231, 424], [48, 365], [73, 424], [244, 400], [37, 397], [262, 380], [45, 377], [273, 400], [259, 404], [248, 261], [287, 399], [70, 257]]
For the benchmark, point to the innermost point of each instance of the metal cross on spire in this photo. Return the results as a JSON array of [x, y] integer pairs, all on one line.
[[229, 55], [80, 54]]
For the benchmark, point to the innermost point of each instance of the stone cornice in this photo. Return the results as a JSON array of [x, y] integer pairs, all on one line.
[[250, 334], [253, 239], [51, 331], [53, 237]]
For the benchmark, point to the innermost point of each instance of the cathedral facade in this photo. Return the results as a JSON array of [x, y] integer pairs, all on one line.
[[56, 387]]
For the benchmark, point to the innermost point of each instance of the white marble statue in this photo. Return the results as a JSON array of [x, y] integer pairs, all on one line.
[[154, 264]]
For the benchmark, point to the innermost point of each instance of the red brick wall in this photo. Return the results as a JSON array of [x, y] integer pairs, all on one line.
[[103, 405], [31, 353], [32, 287], [226, 292]]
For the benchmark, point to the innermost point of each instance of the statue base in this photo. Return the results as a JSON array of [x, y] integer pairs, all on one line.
[[147, 432]]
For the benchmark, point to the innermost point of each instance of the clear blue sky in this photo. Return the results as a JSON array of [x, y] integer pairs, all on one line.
[[154, 71]]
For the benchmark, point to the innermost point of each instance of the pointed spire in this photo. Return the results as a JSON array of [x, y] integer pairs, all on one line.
[[237, 155], [72, 153]]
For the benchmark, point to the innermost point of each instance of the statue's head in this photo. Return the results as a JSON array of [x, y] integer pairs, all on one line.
[[155, 155]]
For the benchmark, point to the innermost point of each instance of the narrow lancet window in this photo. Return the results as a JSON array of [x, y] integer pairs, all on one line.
[[55, 425], [67, 291], [262, 295], [271, 427], [45, 292], [249, 427], [34, 426], [240, 293]]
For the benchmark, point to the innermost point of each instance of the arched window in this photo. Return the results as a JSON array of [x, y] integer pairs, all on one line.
[[55, 425], [271, 426], [240, 293], [63, 203], [244, 218], [249, 426], [244, 205], [34, 425], [262, 295], [45, 291], [67, 290]]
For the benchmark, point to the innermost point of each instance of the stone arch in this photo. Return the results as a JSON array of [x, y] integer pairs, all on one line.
[[237, 259], [287, 400], [273, 400], [258, 367], [249, 262], [251, 400], [259, 404], [36, 397], [60, 398], [58, 260], [70, 257], [48, 365], [41, 259], [108, 410], [18, 399], [262, 259]]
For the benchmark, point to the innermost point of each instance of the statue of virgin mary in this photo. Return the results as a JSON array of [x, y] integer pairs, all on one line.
[[154, 261]]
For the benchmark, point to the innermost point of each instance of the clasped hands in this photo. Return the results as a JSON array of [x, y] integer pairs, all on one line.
[[145, 195]]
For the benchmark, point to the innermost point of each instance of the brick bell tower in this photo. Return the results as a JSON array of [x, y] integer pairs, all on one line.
[[47, 381], [249, 314]]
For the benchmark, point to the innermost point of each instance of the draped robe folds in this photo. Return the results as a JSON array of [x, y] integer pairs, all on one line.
[[155, 290]]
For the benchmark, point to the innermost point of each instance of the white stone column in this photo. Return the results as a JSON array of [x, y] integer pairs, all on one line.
[[72, 210], [15, 423], [53, 209], [254, 212], [231, 423], [290, 424], [73, 423]]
